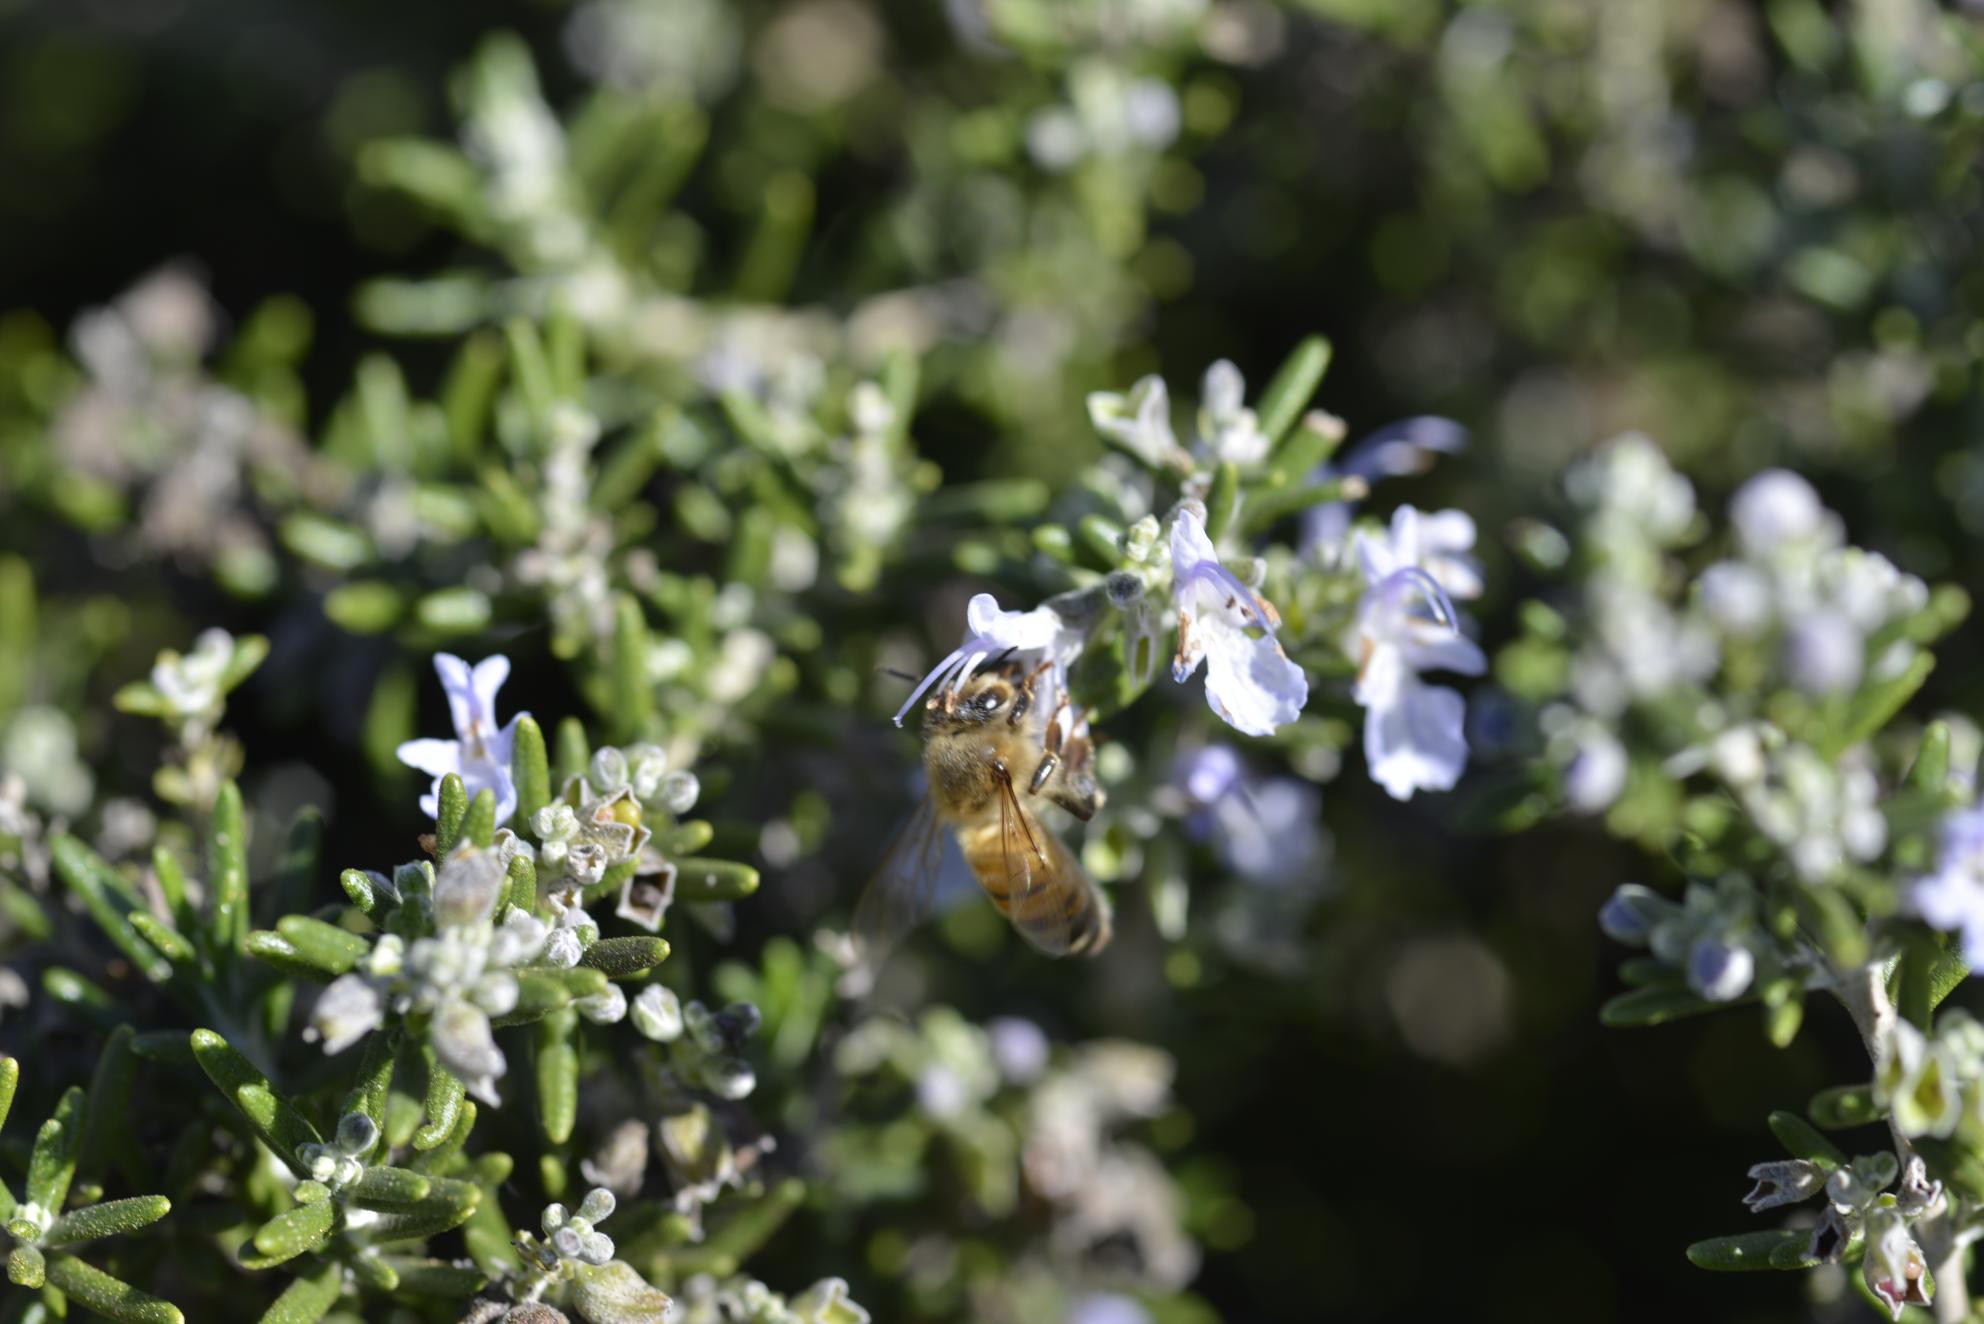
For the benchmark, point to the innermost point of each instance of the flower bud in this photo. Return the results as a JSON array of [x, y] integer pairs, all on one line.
[[357, 1134], [598, 1205], [1631, 913], [608, 771], [680, 791], [1720, 971], [657, 1013]]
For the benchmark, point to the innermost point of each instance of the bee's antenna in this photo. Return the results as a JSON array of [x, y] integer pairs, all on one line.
[[898, 673]]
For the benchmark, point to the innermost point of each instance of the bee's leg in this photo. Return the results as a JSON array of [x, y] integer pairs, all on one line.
[[1050, 739], [1023, 700], [1075, 789], [1048, 762]]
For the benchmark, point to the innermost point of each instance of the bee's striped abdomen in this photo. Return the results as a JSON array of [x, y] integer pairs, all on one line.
[[1050, 901]]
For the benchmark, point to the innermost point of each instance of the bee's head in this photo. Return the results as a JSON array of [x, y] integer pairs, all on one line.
[[982, 699]]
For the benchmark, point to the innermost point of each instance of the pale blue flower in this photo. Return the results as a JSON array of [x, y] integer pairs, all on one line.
[[480, 751], [1268, 830], [1250, 682], [1952, 898], [989, 633], [1413, 738], [1139, 420]]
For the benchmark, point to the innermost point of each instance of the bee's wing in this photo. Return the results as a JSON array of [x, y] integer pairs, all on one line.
[[900, 895], [1021, 850], [1049, 900]]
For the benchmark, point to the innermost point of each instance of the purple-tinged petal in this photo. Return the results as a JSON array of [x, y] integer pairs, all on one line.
[[436, 758]]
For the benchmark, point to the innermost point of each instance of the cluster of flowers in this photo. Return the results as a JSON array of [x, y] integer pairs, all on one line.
[[1403, 623]]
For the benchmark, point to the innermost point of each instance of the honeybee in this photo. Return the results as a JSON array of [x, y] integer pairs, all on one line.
[[991, 754]]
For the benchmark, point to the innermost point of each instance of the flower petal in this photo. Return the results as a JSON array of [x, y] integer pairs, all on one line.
[[436, 758], [1250, 682], [1415, 742]]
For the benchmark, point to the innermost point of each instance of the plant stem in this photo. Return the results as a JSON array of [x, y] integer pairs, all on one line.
[[1864, 993]]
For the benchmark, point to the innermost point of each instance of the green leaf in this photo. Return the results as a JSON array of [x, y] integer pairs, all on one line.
[[374, 1082], [1650, 971], [365, 606], [107, 1112], [1845, 1106], [250, 651], [445, 1096], [109, 1219], [684, 838], [1222, 499], [109, 901], [752, 1225], [52, 1165], [429, 1277], [278, 951], [437, 1159], [623, 957], [391, 1187], [522, 889], [530, 768], [358, 886], [613, 1293], [10, 1080], [713, 880], [1654, 1005], [1874, 703], [304, 1227], [227, 866], [325, 946], [172, 884], [479, 823], [1931, 771], [574, 754], [1748, 1250], [633, 697], [306, 1300], [274, 1119], [557, 1076], [171, 944], [109, 1296], [1268, 505], [1801, 1140], [542, 990], [453, 808], [447, 1206], [1292, 387], [25, 1267], [298, 868]]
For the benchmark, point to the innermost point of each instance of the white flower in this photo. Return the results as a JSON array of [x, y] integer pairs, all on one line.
[[1412, 731], [1250, 682], [1228, 429], [991, 632], [191, 684], [348, 1010], [480, 751], [1596, 774], [1895, 1270], [1778, 508], [657, 1013], [1736, 596], [1139, 421], [1824, 654]]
